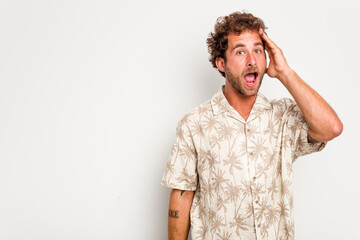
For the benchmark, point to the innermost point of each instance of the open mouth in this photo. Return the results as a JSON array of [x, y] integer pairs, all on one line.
[[250, 78]]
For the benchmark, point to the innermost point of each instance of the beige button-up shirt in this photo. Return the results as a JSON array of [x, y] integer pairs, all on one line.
[[241, 171]]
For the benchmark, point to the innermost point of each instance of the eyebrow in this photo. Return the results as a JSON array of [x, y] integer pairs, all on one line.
[[243, 45]]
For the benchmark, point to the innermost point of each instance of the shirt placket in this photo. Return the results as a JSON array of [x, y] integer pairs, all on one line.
[[253, 179]]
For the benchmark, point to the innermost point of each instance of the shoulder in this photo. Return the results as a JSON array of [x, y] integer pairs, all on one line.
[[264, 103], [197, 113], [283, 104], [282, 108]]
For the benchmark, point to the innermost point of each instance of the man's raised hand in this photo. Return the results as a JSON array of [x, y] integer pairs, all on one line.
[[278, 67]]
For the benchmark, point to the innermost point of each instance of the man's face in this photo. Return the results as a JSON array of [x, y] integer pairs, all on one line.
[[245, 62]]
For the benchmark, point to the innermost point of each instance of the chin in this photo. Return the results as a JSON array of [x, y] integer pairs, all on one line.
[[247, 93], [250, 92]]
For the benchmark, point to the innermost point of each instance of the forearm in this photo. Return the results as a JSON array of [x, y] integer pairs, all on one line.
[[179, 214], [323, 122]]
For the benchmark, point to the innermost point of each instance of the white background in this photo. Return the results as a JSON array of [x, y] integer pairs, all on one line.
[[91, 93]]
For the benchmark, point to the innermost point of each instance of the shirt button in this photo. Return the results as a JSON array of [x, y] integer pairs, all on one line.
[[248, 130], [254, 178], [258, 225], [256, 201], [251, 153]]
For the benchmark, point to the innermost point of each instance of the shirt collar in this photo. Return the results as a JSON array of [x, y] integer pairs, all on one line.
[[220, 104]]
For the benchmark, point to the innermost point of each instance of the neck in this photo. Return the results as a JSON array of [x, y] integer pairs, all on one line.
[[241, 103]]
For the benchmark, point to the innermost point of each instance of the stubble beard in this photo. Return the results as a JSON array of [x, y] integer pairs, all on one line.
[[235, 82]]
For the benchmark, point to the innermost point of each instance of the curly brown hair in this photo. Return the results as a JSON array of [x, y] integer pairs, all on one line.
[[236, 22]]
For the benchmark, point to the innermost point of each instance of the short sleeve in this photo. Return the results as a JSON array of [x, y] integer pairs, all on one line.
[[297, 129], [180, 172]]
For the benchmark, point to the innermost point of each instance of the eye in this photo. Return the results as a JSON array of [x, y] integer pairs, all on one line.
[[257, 51], [240, 53]]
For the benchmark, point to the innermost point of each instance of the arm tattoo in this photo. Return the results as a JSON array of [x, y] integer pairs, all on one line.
[[173, 213], [311, 140], [182, 192]]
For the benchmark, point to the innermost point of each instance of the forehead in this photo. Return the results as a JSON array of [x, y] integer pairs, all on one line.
[[248, 38]]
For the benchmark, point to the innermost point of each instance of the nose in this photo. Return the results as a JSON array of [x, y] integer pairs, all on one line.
[[251, 60]]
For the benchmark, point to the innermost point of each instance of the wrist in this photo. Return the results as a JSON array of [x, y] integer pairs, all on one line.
[[286, 75]]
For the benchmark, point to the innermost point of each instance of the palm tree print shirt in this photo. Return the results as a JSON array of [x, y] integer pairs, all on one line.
[[241, 171]]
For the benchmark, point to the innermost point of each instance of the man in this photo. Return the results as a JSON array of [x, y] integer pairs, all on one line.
[[231, 164]]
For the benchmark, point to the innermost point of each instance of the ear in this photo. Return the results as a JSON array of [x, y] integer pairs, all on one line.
[[220, 64]]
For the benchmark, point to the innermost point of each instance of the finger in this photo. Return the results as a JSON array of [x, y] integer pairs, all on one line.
[[270, 45], [271, 55]]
